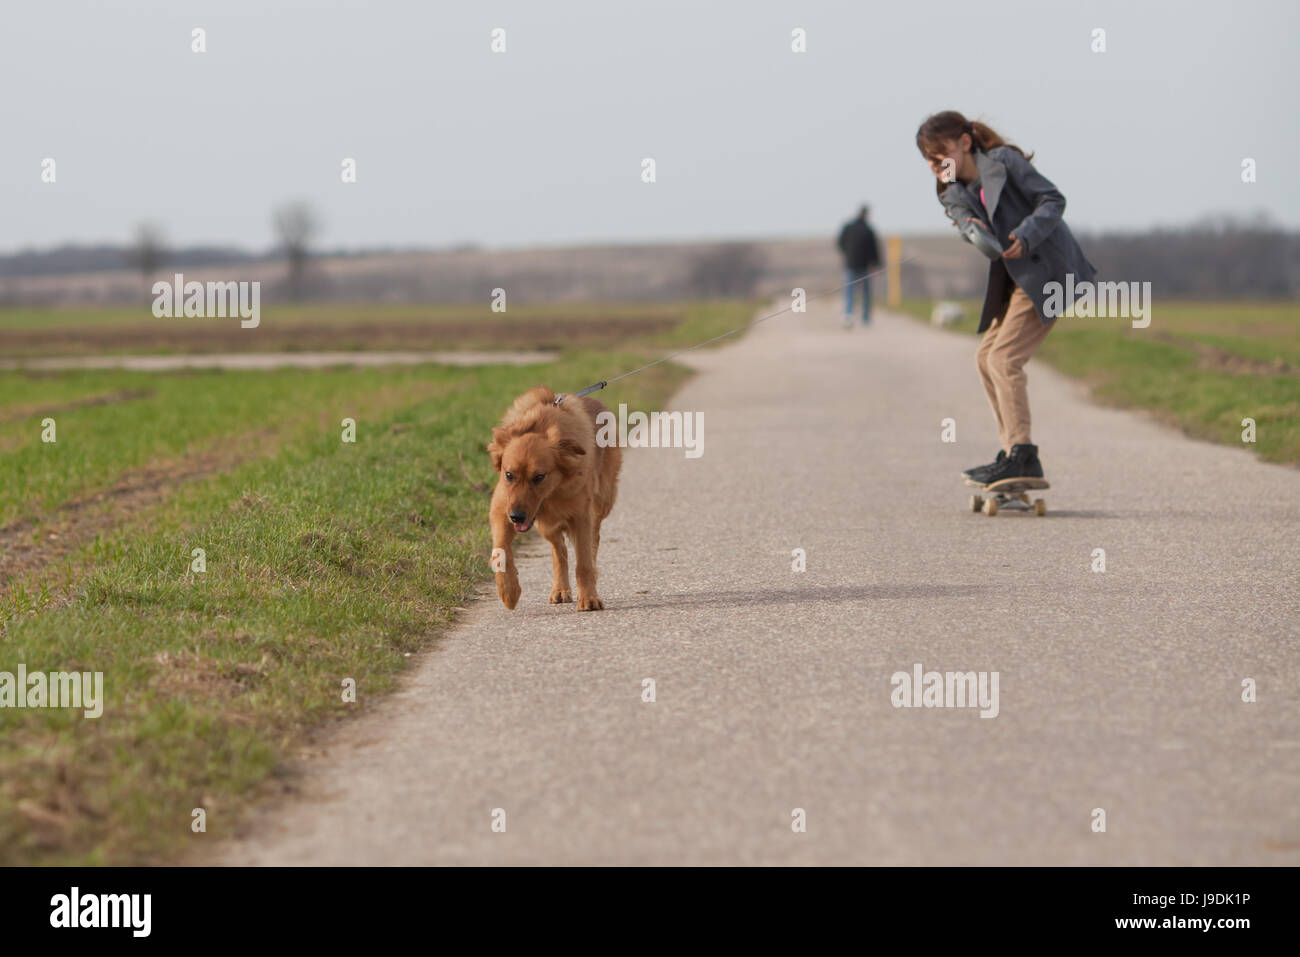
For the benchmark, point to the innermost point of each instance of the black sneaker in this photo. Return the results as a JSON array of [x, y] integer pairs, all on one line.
[[1021, 462], [973, 473]]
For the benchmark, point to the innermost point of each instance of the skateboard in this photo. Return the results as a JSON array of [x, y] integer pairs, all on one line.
[[1010, 493]]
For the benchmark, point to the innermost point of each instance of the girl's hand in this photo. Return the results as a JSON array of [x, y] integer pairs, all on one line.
[[1015, 250]]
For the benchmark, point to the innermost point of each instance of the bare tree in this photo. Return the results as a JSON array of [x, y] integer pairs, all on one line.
[[147, 249], [296, 225]]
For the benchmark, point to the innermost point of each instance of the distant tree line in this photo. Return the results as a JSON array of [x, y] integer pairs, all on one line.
[[296, 227], [1217, 258], [73, 258]]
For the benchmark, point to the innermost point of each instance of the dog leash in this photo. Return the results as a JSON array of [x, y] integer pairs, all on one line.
[[699, 345]]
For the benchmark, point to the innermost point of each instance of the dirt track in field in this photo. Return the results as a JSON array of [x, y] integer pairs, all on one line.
[[30, 544], [199, 336], [275, 360]]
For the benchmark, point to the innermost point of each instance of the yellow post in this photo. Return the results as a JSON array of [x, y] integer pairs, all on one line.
[[895, 261]]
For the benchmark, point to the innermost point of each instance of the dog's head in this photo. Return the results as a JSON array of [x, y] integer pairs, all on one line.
[[534, 458]]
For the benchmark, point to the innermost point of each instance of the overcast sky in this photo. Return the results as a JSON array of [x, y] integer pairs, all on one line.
[[543, 144]]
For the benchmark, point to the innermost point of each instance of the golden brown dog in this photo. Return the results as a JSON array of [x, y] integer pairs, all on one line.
[[552, 473]]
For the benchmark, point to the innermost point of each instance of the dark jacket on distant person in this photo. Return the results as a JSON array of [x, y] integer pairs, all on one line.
[[858, 245], [1019, 199]]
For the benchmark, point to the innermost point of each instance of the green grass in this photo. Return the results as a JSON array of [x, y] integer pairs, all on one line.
[[1184, 367], [152, 418], [109, 422], [325, 561]]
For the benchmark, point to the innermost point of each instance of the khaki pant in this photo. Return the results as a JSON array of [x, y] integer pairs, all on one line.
[[1001, 358]]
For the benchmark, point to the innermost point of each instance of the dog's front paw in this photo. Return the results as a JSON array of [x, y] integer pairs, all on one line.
[[509, 591], [561, 595], [590, 603]]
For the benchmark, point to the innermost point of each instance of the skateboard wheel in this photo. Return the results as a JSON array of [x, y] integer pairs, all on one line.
[[976, 503], [990, 507], [1040, 507]]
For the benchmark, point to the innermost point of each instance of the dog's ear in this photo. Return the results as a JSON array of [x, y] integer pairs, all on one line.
[[567, 452], [497, 447]]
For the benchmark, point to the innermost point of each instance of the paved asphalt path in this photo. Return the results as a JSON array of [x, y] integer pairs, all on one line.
[[1118, 690]]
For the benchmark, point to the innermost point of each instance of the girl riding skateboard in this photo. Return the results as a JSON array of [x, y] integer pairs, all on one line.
[[1012, 214]]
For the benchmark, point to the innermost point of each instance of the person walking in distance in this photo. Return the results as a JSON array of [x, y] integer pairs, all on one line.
[[857, 245], [1012, 214]]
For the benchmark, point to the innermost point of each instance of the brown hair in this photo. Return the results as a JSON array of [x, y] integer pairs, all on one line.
[[948, 126]]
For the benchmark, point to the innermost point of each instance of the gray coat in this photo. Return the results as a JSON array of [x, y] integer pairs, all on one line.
[[1022, 201]]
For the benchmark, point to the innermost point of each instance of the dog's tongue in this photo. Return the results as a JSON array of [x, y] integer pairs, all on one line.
[[523, 526]]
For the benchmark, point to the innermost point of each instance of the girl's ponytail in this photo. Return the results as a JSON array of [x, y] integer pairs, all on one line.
[[985, 138]]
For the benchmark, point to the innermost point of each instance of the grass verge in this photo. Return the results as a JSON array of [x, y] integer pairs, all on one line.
[[325, 561], [1203, 367]]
